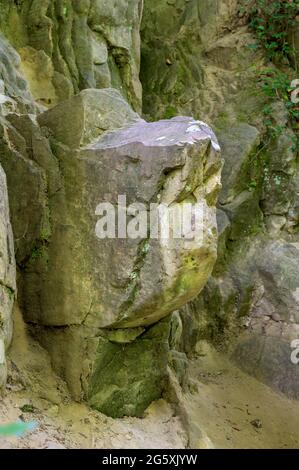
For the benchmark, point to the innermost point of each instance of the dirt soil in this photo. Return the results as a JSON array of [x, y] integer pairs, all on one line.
[[232, 409], [237, 411]]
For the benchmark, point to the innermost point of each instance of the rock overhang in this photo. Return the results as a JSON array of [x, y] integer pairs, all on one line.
[[170, 162], [78, 288]]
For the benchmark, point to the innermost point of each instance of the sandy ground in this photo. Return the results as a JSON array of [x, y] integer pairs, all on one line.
[[61, 423], [237, 411], [231, 409]]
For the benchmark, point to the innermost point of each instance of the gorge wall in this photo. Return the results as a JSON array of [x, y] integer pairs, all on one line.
[[71, 138]]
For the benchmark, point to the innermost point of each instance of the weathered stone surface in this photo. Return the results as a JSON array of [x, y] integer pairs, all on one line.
[[193, 63], [89, 300], [118, 283], [150, 157], [253, 303], [67, 46], [196, 58], [29, 211], [278, 271], [268, 357], [244, 214], [238, 145], [22, 155], [115, 389], [14, 92], [83, 118], [7, 277]]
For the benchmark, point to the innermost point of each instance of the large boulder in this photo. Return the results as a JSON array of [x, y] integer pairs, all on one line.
[[7, 277], [93, 298]]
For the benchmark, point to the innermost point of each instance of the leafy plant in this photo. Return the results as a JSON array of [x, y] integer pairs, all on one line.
[[10, 293], [272, 22], [27, 408], [36, 253]]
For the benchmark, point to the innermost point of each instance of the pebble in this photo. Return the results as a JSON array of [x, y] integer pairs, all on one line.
[[256, 423]]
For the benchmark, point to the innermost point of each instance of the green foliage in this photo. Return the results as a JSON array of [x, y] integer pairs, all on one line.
[[276, 85], [170, 112], [146, 248], [133, 275], [10, 292], [36, 253], [45, 234], [27, 408], [272, 21]]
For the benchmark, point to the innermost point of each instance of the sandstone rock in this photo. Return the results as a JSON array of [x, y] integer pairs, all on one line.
[[67, 46], [129, 283], [264, 350], [29, 213], [238, 145], [83, 118], [269, 359], [245, 215], [18, 143], [250, 306], [7, 277], [275, 224], [178, 361], [195, 58], [210, 72], [117, 390], [278, 270], [130, 295], [92, 301], [14, 91], [279, 191], [224, 227]]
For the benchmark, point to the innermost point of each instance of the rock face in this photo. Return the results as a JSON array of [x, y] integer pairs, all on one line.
[[196, 58], [76, 284], [265, 349], [7, 277], [77, 44], [97, 302], [103, 307]]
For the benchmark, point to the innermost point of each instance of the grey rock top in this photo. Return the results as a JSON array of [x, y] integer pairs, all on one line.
[[177, 131]]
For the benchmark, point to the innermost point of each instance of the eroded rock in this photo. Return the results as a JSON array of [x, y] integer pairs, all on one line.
[[67, 46], [78, 284], [265, 348]]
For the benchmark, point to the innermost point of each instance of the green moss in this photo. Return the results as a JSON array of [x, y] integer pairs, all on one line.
[[170, 112], [10, 292], [45, 234], [39, 254], [36, 253], [128, 377]]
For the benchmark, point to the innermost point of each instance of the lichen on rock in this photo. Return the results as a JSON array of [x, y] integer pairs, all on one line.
[[96, 99], [119, 282]]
